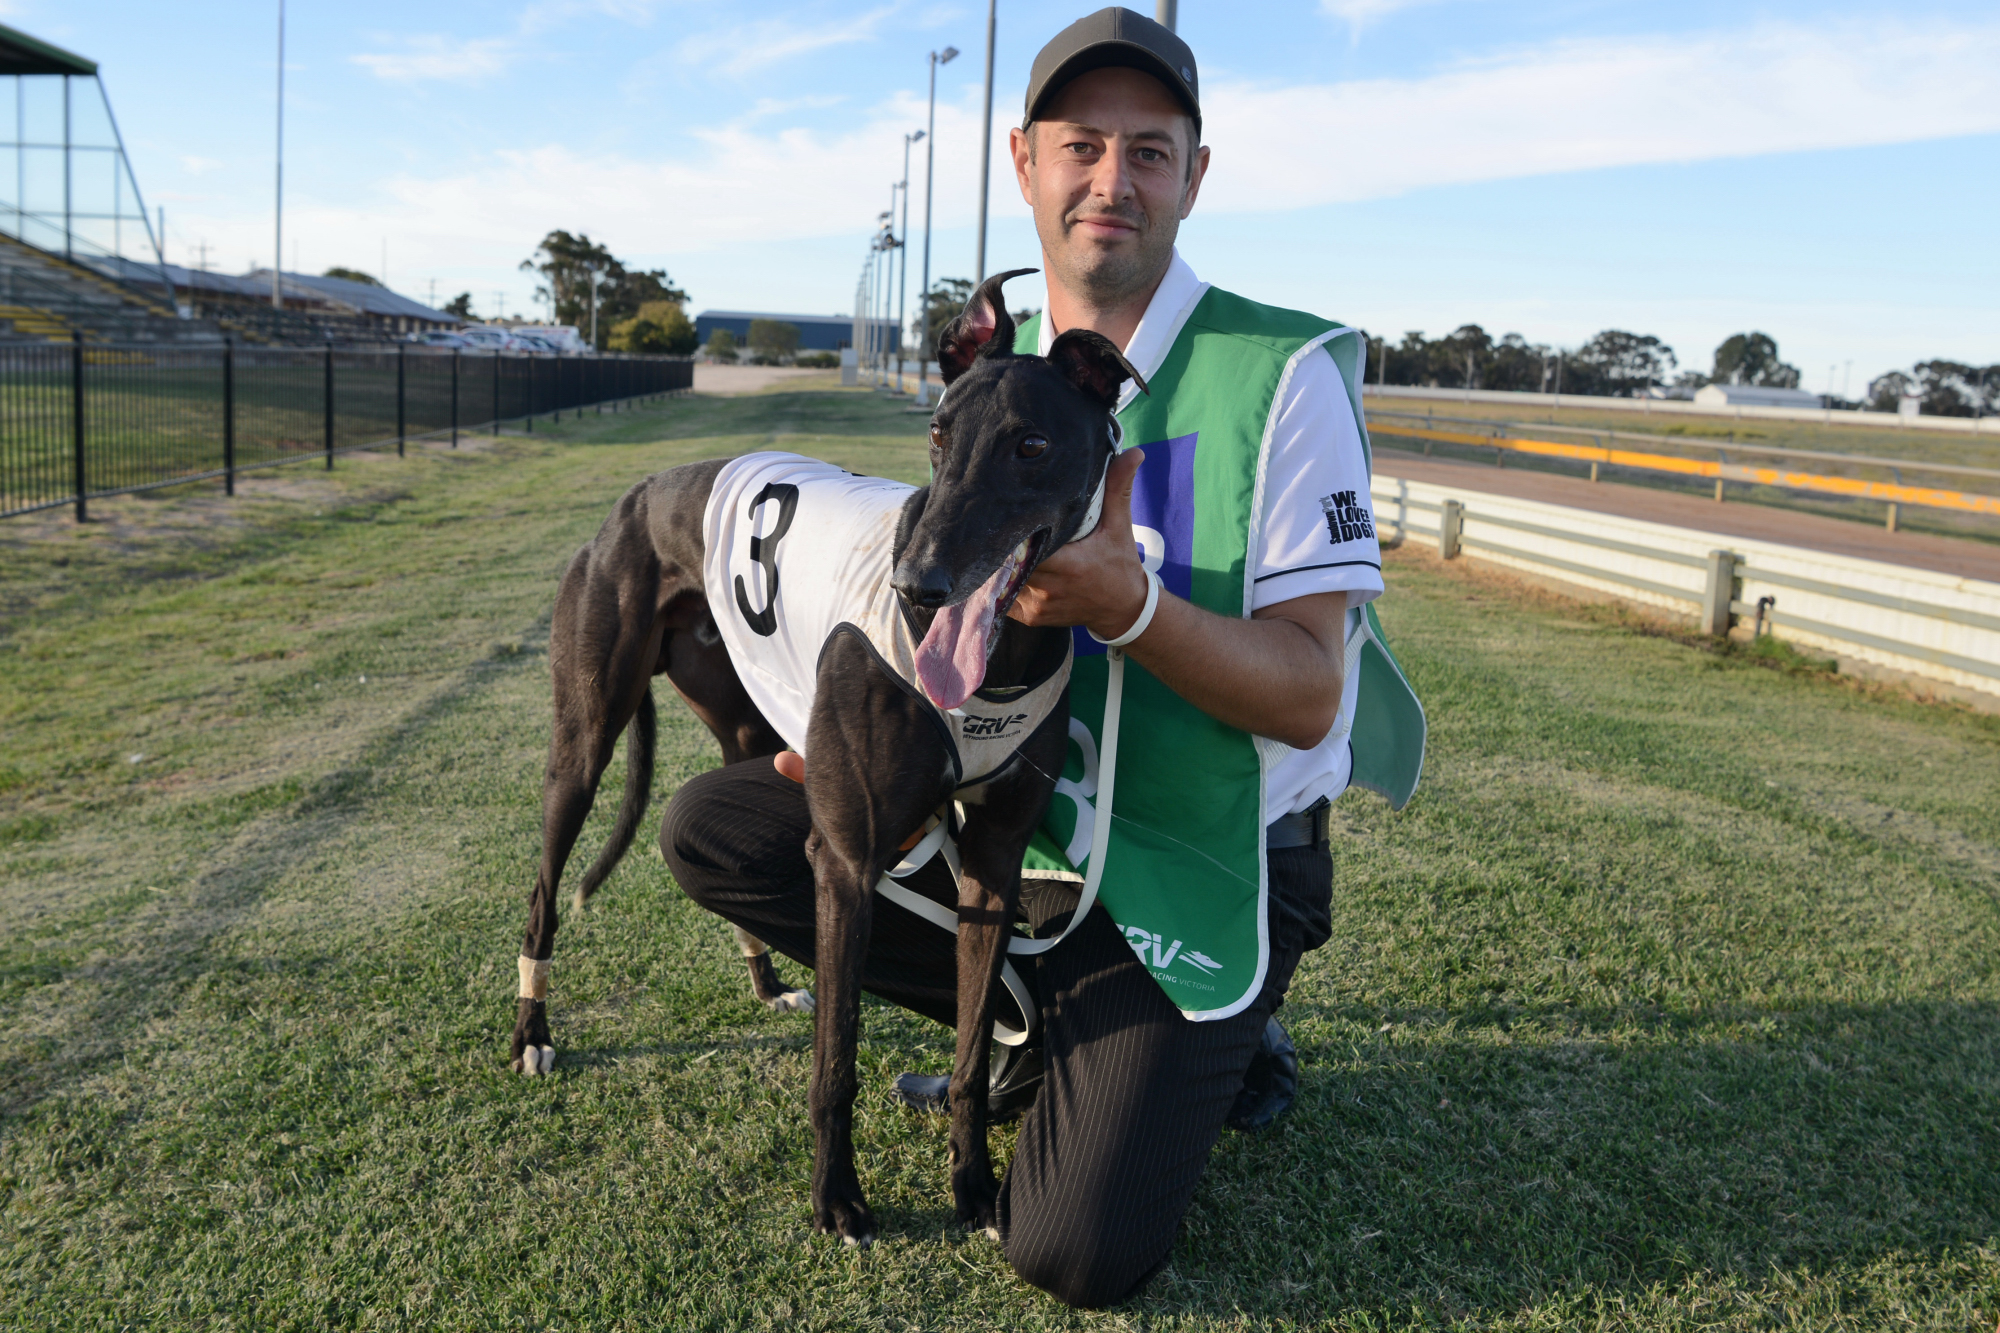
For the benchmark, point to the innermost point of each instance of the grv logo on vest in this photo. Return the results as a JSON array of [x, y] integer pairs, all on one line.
[[991, 728], [1346, 518], [1156, 953]]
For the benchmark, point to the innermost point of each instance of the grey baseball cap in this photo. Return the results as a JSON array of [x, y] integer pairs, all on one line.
[[1116, 37]]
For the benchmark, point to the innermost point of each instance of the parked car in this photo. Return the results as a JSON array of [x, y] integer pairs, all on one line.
[[441, 338], [488, 338]]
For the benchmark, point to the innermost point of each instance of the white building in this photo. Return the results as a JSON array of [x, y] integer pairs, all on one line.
[[1755, 395]]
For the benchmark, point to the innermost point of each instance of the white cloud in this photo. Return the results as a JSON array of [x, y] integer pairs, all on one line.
[[758, 185], [1583, 105], [437, 58], [754, 45]]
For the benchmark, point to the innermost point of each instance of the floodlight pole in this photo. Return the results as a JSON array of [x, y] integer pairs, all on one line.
[[985, 147], [1163, 11], [903, 263], [278, 244], [924, 296]]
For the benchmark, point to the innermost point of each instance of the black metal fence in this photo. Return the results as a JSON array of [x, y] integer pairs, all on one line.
[[81, 421]]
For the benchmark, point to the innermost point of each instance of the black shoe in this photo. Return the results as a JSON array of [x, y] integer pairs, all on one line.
[[1011, 1086], [1269, 1084]]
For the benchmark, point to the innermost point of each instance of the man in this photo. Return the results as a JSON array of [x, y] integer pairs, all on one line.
[[1253, 513]]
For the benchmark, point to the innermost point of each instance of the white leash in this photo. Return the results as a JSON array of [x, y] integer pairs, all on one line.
[[939, 838]]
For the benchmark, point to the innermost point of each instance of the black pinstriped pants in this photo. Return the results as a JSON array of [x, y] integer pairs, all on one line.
[[1135, 1097]]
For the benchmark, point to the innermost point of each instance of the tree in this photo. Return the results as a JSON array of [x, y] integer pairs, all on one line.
[[661, 328], [352, 275], [939, 307], [460, 305], [1954, 389], [722, 345], [1752, 358], [773, 339], [567, 263], [1886, 392], [1618, 364], [1516, 365]]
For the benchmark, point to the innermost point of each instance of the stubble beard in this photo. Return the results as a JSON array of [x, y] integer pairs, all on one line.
[[1110, 277]]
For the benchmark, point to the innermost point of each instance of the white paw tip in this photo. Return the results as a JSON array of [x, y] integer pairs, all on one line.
[[793, 1001], [993, 1233], [548, 1058], [858, 1242]]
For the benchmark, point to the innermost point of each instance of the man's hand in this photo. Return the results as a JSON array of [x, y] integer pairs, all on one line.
[[1277, 674], [1097, 580]]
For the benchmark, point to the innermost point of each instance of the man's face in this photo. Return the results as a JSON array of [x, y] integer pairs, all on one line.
[[1107, 174]]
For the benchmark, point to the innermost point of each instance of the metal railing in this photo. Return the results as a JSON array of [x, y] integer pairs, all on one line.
[[87, 420], [1717, 604], [1505, 437]]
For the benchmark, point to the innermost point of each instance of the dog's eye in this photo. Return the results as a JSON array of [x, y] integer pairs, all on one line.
[[1032, 447], [937, 437]]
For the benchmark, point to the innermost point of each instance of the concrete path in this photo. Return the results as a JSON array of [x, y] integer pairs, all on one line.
[[1947, 555]]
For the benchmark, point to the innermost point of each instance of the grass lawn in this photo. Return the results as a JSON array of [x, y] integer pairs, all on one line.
[[1670, 1002]]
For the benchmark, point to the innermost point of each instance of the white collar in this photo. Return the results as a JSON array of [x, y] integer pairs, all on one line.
[[1179, 292]]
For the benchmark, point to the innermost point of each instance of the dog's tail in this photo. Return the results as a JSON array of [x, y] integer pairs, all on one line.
[[639, 745]]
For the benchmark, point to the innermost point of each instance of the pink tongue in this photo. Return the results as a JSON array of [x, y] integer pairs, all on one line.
[[951, 661]]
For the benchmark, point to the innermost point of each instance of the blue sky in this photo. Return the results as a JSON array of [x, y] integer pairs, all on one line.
[[1825, 173]]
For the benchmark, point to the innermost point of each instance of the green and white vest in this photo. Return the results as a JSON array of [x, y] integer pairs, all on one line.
[[1184, 875]]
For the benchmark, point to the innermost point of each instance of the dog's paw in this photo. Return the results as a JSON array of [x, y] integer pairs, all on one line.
[[976, 1197], [534, 1049], [791, 1002], [850, 1219], [535, 1060]]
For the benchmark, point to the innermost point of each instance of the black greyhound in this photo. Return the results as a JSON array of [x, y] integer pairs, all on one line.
[[1018, 448]]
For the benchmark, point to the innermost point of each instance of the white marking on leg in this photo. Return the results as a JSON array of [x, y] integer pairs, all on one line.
[[792, 1001], [548, 1058], [751, 946], [993, 1233], [534, 977]]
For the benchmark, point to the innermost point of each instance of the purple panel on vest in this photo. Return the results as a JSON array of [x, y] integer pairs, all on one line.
[[1162, 520]]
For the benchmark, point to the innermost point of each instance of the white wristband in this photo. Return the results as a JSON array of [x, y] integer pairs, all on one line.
[[1145, 615]]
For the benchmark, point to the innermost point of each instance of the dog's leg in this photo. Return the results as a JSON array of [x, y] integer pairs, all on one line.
[[878, 767], [996, 833], [601, 661], [764, 982]]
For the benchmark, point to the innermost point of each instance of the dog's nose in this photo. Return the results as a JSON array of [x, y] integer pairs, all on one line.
[[928, 587]]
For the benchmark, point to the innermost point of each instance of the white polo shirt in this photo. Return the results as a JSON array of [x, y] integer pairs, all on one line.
[[1313, 540]]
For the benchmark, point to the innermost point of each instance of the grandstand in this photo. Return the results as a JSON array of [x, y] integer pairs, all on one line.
[[79, 254]]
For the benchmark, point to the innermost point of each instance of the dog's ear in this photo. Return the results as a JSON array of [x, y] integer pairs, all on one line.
[[1093, 363], [983, 327]]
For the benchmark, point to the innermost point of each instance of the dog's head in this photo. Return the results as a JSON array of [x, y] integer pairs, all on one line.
[[1019, 448]]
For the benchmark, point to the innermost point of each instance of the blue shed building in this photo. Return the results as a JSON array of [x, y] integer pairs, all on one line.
[[817, 333]]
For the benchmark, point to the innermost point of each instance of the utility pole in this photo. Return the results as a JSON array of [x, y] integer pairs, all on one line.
[[278, 242], [985, 147], [924, 297]]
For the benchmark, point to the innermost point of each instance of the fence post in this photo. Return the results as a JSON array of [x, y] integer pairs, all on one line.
[[400, 419], [556, 371], [326, 396], [454, 398], [496, 391], [1721, 589], [1451, 523], [531, 395], [76, 419], [228, 417]]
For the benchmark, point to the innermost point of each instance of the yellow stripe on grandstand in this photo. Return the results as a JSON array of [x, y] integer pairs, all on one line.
[[1853, 487]]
